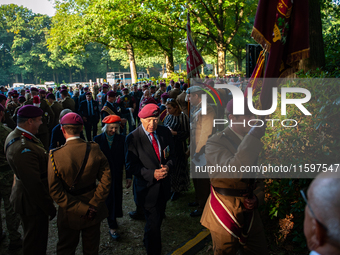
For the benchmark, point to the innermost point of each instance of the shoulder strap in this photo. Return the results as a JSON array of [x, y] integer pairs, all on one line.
[[12, 141], [81, 171]]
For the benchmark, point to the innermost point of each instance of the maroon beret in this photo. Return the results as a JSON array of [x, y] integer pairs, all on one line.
[[89, 93], [50, 89], [230, 107], [27, 90], [14, 91], [30, 111], [1, 108], [185, 86], [34, 89], [2, 97], [149, 110], [63, 90], [162, 84], [86, 88], [71, 118], [165, 95], [145, 86], [10, 93], [41, 91], [21, 99], [105, 86], [63, 87], [111, 93], [125, 89]]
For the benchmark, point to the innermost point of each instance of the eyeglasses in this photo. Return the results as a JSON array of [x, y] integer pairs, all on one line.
[[304, 196], [170, 100]]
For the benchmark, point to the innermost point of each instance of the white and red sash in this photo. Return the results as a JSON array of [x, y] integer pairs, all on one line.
[[228, 221]]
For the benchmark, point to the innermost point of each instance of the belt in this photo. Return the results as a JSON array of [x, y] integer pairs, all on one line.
[[232, 192], [82, 191]]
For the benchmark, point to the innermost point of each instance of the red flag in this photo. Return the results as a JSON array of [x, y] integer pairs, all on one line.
[[194, 58], [281, 27]]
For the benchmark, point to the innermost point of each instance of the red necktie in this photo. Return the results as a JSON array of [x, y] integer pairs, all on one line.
[[155, 146]]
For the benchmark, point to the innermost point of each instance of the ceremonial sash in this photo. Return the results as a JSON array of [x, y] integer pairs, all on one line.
[[108, 110], [228, 221]]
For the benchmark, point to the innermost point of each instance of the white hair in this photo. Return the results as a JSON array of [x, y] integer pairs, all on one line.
[[324, 198], [107, 125]]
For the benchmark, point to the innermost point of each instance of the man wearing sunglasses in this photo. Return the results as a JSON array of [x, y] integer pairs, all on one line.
[[322, 214]]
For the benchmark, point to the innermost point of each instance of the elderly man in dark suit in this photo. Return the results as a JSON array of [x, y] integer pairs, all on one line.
[[89, 111], [150, 157]]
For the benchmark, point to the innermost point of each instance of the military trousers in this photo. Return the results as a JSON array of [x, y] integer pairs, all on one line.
[[69, 239], [12, 218], [35, 233], [226, 244]]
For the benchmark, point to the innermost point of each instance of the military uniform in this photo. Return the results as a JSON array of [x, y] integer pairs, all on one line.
[[8, 120], [68, 103], [6, 182], [227, 148], [47, 119], [63, 168], [29, 197], [201, 127], [174, 93], [56, 108], [182, 103]]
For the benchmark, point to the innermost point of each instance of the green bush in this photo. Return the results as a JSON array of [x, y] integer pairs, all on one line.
[[315, 140]]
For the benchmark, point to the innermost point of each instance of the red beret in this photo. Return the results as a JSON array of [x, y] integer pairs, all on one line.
[[71, 118], [89, 93], [16, 94], [149, 110], [10, 93], [2, 97], [30, 111], [1, 108], [230, 107], [34, 89], [111, 93], [50, 89], [105, 86], [111, 119]]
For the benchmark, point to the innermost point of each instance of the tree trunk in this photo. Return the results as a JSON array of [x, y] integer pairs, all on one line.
[[16, 78], [70, 74], [235, 67], [216, 69], [133, 69], [80, 76], [202, 69], [86, 74], [22, 78], [148, 71], [221, 49], [180, 68], [57, 76], [169, 62], [239, 63], [54, 77]]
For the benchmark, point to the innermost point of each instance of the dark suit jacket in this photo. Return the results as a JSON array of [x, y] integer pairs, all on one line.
[[58, 139], [141, 161], [83, 111], [76, 103], [115, 156], [82, 97]]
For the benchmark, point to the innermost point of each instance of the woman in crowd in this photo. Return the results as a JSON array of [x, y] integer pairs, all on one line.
[[178, 123], [112, 145]]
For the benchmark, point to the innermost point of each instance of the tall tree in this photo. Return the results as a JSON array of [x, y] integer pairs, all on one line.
[[219, 22]]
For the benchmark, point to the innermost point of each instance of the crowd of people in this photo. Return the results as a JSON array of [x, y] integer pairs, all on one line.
[[148, 130]]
